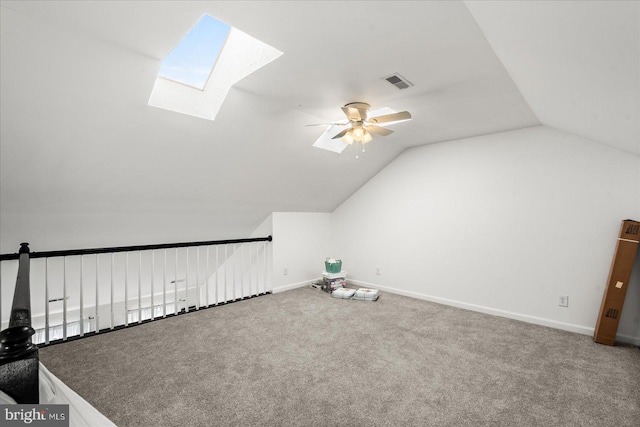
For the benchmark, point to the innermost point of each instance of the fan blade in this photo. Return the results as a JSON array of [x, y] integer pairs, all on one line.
[[378, 130], [341, 134], [328, 124], [355, 114], [403, 115]]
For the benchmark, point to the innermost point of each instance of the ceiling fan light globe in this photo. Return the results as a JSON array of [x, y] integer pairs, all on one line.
[[366, 137], [348, 138], [358, 132]]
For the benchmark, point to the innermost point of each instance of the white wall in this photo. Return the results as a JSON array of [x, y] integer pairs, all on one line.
[[630, 318], [301, 242], [502, 223]]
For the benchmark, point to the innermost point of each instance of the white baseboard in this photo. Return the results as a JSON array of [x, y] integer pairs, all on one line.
[[584, 330], [294, 285], [628, 340]]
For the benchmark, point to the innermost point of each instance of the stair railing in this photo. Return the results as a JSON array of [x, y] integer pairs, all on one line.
[[83, 292]]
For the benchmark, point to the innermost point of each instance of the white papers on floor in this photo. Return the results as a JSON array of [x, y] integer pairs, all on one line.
[[363, 294], [344, 293], [366, 294]]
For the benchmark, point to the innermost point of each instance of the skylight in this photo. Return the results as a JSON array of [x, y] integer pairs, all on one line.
[[196, 76], [193, 59]]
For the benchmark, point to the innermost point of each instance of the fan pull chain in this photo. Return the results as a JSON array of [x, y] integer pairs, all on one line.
[[357, 149]]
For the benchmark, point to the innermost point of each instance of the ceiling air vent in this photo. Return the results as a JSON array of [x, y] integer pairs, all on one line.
[[398, 81]]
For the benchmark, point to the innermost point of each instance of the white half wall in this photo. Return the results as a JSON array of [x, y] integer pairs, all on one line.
[[503, 223], [301, 242]]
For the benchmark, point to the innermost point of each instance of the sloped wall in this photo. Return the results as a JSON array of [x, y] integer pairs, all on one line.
[[502, 223]]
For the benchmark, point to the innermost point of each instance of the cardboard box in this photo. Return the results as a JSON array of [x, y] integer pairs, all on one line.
[[617, 283]]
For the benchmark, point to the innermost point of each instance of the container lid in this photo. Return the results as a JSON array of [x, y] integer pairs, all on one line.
[[342, 274]]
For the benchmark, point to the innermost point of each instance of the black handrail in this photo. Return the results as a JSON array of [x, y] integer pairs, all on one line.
[[114, 249]]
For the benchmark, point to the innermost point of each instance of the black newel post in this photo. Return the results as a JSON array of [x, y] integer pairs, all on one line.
[[18, 355]]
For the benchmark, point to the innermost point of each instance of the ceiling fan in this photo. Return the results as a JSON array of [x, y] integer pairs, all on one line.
[[361, 126]]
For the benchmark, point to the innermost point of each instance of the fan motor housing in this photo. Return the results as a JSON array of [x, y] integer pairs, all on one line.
[[358, 105]]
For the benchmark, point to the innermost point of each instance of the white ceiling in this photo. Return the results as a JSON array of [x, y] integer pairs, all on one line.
[[78, 136]]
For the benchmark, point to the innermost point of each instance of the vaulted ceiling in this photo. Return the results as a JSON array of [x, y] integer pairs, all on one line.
[[78, 137]]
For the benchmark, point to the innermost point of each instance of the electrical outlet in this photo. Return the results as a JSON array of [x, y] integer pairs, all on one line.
[[378, 271], [563, 300], [285, 271]]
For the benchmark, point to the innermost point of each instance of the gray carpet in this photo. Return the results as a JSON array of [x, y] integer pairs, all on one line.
[[302, 358]]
